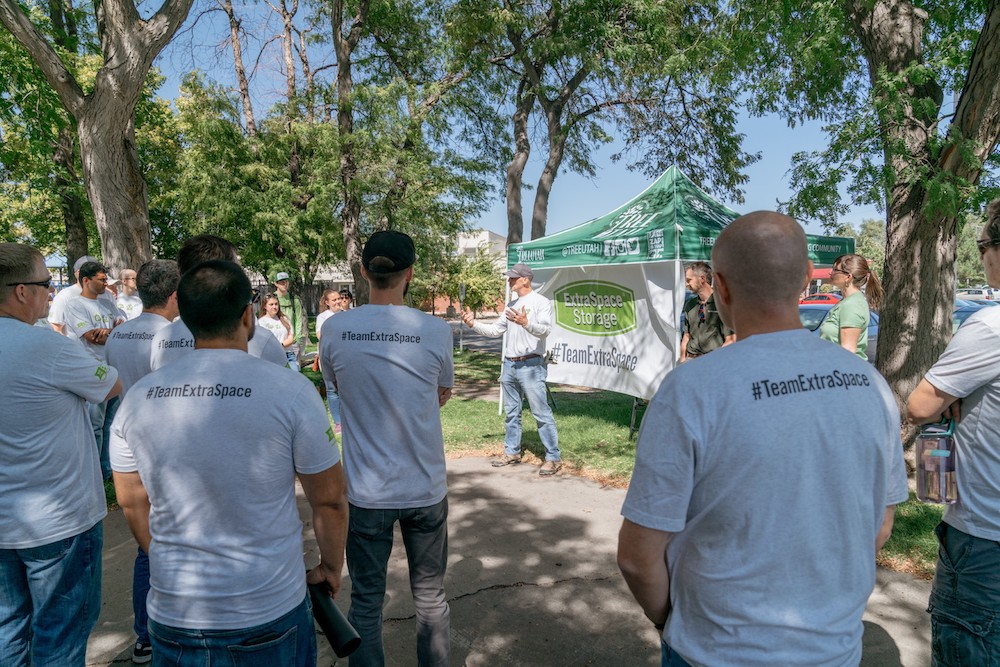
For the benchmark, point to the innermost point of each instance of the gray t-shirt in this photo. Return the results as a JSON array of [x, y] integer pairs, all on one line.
[[175, 340], [227, 539], [50, 477], [970, 369], [774, 498], [388, 362], [129, 345]]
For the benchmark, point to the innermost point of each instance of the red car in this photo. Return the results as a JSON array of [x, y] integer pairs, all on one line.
[[823, 297]]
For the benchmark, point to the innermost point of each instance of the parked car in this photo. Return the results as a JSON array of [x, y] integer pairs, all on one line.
[[975, 294], [812, 315], [822, 297]]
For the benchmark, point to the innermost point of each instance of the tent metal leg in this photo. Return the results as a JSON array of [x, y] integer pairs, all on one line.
[[633, 427]]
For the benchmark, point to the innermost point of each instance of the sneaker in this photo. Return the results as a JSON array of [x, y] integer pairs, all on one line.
[[142, 653], [506, 460], [550, 468]]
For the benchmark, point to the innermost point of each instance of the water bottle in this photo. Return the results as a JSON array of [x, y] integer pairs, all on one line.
[[936, 463]]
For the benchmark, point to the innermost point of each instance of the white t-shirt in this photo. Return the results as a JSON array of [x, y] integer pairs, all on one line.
[[130, 305], [83, 315], [227, 541], [388, 362], [522, 341], [175, 340], [323, 317], [772, 461], [275, 326], [63, 296], [50, 477], [969, 369], [128, 347]]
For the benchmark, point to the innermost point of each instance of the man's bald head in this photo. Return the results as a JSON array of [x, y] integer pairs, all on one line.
[[763, 257]]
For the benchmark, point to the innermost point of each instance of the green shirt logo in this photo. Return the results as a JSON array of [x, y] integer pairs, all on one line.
[[101, 372], [595, 308], [329, 434]]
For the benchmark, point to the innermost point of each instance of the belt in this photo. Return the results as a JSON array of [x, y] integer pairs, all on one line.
[[524, 358]]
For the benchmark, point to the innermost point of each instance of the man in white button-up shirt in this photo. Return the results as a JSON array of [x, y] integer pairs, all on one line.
[[524, 366]]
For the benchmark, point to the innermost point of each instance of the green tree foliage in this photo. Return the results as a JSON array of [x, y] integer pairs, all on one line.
[[484, 282], [970, 264]]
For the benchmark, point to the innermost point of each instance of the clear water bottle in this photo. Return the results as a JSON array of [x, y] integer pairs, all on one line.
[[936, 463]]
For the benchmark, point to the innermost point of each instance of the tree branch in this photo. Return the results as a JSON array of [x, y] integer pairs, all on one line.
[[54, 70], [161, 27], [977, 116]]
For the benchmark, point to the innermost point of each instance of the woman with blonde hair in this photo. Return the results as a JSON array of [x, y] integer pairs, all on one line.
[[847, 323], [330, 303]]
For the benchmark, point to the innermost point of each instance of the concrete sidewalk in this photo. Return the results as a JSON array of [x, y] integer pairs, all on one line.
[[532, 581]]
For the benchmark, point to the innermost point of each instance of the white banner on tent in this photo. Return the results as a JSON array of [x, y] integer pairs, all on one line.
[[615, 326]]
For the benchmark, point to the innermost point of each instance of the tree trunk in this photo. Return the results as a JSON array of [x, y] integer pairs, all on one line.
[[350, 214], [241, 73], [287, 46], [66, 184], [919, 277], [515, 170], [557, 148], [115, 185], [922, 233], [105, 116]]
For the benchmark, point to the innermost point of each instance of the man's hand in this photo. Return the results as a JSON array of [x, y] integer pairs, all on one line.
[[97, 336], [444, 393], [468, 318], [520, 318], [322, 574]]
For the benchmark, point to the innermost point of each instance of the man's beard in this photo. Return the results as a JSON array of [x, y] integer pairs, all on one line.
[[406, 288]]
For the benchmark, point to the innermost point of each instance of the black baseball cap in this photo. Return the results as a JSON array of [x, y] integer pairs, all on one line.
[[396, 247]]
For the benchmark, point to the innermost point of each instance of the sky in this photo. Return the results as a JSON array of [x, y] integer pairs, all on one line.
[[576, 199]]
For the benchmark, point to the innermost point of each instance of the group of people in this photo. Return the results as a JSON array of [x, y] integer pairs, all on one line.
[[211, 434], [749, 533]]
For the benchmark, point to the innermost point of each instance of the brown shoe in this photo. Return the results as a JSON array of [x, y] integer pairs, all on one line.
[[550, 468], [506, 460]]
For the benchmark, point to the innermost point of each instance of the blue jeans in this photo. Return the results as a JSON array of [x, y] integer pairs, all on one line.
[[50, 597], [333, 400], [369, 544], [965, 600], [528, 377], [669, 657], [140, 591], [289, 641]]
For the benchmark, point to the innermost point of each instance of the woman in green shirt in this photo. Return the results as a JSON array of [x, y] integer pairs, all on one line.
[[847, 323]]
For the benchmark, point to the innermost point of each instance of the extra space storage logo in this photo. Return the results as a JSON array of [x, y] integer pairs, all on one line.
[[595, 308]]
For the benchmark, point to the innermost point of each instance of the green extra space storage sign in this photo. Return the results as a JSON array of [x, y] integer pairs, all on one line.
[[595, 308]]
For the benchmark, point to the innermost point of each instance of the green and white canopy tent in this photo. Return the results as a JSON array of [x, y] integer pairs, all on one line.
[[617, 283]]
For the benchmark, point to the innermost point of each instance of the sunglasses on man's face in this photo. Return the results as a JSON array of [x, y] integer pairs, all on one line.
[[41, 283]]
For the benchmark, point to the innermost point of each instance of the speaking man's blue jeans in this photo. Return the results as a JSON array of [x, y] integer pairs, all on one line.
[[288, 641], [529, 377], [369, 544], [50, 597]]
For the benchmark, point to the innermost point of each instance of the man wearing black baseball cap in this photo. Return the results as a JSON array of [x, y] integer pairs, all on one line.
[[524, 367], [393, 369]]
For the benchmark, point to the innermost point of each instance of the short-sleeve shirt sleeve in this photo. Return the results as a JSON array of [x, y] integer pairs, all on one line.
[[314, 447]]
